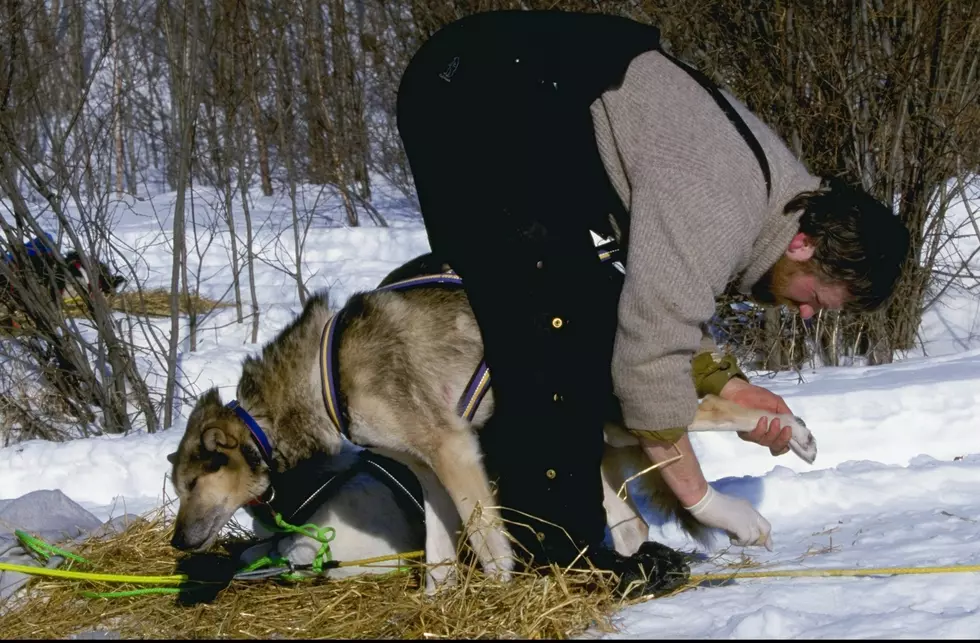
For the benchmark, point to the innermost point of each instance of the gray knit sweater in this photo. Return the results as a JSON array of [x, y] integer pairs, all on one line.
[[698, 219]]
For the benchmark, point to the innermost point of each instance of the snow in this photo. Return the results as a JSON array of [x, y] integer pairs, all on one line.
[[894, 485]]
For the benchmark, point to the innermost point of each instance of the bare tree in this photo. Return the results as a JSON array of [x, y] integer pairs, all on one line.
[[183, 39]]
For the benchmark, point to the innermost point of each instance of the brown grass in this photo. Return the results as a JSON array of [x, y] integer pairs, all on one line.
[[387, 606], [154, 302]]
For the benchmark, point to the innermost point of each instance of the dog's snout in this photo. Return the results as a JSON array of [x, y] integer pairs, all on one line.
[[186, 542], [179, 541]]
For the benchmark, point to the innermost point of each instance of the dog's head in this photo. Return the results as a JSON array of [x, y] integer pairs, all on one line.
[[217, 469], [108, 283]]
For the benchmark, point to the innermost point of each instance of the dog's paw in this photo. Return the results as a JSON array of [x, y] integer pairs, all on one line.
[[802, 443], [298, 549], [440, 576], [499, 570], [653, 569]]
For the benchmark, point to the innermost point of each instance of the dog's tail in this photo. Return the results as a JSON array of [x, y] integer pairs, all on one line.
[[651, 485]]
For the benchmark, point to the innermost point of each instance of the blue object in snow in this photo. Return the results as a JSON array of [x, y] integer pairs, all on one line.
[[35, 247]]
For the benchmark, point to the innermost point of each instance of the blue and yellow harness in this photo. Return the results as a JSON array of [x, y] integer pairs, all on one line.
[[473, 394]]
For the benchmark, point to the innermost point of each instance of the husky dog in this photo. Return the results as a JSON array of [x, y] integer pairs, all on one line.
[[402, 362]]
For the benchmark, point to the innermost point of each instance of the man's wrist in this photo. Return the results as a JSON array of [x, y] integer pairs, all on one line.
[[690, 496], [699, 506], [732, 387]]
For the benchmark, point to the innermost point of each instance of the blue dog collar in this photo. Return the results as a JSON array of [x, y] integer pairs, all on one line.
[[257, 433]]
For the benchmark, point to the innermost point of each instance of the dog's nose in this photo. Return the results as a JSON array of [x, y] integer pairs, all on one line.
[[179, 541]]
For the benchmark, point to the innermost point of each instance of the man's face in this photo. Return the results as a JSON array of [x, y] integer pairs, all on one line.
[[798, 284]]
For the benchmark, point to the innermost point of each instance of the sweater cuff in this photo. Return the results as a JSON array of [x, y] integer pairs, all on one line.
[[710, 375], [667, 436]]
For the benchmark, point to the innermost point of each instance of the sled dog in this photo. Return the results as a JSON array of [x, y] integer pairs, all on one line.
[[396, 371]]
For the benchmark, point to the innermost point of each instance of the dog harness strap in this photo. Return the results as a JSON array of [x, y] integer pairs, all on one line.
[[326, 490], [608, 254], [329, 375], [257, 433], [448, 277], [395, 484], [329, 348], [475, 391], [478, 385]]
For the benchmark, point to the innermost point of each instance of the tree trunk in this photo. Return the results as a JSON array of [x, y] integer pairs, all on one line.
[[186, 94], [117, 99]]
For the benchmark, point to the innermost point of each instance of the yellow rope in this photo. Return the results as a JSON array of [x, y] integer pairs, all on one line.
[[381, 559], [175, 579], [871, 571]]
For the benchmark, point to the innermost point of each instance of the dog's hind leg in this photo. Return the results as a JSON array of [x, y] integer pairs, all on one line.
[[459, 465], [442, 524], [628, 528]]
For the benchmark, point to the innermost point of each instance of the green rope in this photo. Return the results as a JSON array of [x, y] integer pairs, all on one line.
[[323, 535], [265, 561], [43, 550]]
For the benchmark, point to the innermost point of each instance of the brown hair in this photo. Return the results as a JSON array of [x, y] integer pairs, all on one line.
[[858, 241]]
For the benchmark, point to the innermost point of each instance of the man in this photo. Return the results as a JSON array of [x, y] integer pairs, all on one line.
[[526, 130]]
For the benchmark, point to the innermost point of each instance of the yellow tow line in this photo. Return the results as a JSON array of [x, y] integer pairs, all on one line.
[[871, 571], [177, 579], [173, 579]]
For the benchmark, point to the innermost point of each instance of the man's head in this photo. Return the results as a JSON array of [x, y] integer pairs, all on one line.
[[847, 254]]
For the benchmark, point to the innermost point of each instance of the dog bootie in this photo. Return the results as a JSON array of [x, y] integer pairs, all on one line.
[[653, 569]]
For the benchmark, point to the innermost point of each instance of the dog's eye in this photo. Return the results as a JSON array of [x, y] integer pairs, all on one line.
[[252, 457], [215, 462]]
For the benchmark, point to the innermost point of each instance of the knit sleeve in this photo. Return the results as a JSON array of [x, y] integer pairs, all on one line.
[[689, 229], [666, 297]]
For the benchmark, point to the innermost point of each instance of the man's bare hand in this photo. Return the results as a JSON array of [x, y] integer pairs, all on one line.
[[766, 433]]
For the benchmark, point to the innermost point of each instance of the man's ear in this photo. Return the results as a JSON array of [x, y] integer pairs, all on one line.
[[800, 248]]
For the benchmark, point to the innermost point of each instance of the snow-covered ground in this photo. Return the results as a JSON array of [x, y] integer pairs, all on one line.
[[895, 483]]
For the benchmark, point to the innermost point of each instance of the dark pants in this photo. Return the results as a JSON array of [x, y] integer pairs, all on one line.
[[493, 111]]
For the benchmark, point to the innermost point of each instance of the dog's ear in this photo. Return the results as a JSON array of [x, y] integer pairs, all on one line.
[[172, 457], [214, 439], [211, 397]]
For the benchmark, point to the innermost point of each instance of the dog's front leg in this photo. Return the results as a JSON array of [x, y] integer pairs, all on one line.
[[718, 414]]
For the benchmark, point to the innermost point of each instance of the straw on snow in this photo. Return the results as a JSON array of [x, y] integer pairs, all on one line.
[[532, 606]]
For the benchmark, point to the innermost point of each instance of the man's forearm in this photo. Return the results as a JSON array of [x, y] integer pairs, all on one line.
[[683, 476]]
